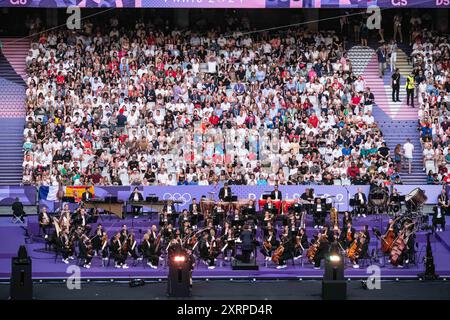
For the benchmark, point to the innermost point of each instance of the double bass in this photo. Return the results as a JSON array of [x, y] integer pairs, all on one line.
[[387, 240], [399, 245]]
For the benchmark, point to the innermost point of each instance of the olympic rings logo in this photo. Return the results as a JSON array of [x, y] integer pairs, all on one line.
[[184, 198]]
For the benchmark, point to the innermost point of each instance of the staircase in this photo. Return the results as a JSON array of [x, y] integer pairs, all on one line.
[[15, 51], [396, 120], [12, 110], [11, 155]]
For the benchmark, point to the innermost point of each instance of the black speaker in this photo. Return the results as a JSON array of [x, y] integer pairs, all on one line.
[[334, 290], [178, 284], [21, 287]]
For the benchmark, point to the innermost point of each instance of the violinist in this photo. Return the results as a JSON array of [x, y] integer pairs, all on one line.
[[268, 228], [104, 247], [183, 217], [269, 244], [169, 207], [123, 233], [86, 251], [267, 219], [185, 229], [347, 235], [148, 251], [175, 245], [65, 245], [44, 222], [228, 240], [117, 252], [206, 249], [81, 220], [169, 232], [97, 239], [301, 243], [132, 248], [194, 210]]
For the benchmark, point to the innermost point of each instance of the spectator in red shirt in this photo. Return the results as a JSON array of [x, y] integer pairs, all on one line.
[[353, 171], [313, 120], [214, 119]]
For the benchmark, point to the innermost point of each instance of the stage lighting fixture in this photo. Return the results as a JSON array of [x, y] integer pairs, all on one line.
[[21, 287], [334, 286], [179, 259], [178, 284]]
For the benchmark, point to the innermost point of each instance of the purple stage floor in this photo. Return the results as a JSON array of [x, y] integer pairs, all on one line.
[[45, 267]]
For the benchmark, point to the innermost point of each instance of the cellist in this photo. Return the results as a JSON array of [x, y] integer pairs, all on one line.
[[347, 235], [322, 248], [269, 244]]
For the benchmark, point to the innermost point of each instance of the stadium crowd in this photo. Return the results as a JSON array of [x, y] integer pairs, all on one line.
[[430, 57], [109, 106]]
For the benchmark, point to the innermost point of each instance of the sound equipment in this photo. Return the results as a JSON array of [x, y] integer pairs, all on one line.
[[21, 287], [151, 199], [136, 283]]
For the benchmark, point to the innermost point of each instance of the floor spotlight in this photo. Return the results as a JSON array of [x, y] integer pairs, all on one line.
[[334, 286], [179, 280]]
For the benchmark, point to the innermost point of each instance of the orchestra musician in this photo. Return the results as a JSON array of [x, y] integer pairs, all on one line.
[[132, 247], [394, 202], [87, 196], [269, 206], [347, 235], [319, 214], [248, 244], [148, 247], [194, 210], [355, 250], [361, 203], [276, 194], [135, 196], [444, 202], [228, 240], [322, 248], [347, 217], [225, 193], [104, 248], [65, 244], [286, 242], [301, 243], [269, 244], [86, 250], [169, 208], [44, 222], [249, 211], [97, 239], [207, 249], [308, 199], [81, 220], [117, 252], [438, 218]]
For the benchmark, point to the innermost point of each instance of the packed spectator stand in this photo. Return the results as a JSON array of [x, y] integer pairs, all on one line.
[[107, 106]]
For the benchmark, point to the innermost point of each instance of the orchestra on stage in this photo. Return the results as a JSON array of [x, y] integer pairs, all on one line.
[[241, 229]]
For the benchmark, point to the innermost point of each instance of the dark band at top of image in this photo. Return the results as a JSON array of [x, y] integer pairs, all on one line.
[[238, 4]]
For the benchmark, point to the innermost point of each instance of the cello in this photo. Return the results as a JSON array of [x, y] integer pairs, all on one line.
[[314, 248], [355, 250]]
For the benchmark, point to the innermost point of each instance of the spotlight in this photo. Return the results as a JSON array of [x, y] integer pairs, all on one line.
[[179, 259], [334, 286], [178, 284]]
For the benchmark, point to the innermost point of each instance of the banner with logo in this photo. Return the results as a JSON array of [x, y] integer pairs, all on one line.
[[231, 4], [338, 196]]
